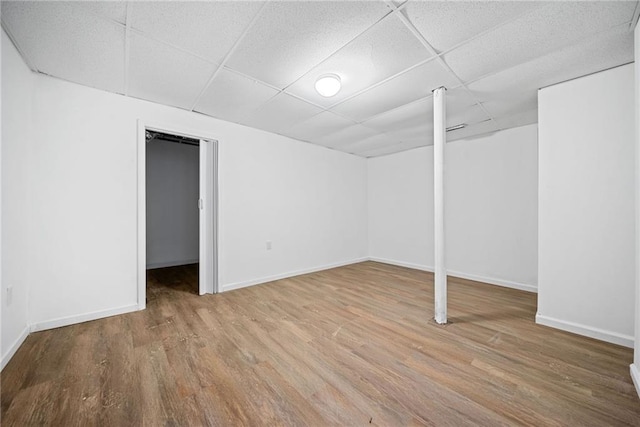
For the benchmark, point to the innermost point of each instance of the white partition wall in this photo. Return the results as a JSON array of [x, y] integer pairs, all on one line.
[[491, 208], [17, 86], [587, 206], [271, 189], [635, 367]]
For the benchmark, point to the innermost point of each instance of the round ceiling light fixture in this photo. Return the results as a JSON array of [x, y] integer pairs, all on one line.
[[328, 85]]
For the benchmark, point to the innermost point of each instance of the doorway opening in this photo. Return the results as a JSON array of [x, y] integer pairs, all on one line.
[[172, 212], [177, 211]]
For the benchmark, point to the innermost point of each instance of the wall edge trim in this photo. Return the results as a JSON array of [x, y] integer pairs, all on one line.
[[80, 318], [635, 377], [587, 331], [267, 279], [13, 348], [493, 281], [461, 275], [411, 265]]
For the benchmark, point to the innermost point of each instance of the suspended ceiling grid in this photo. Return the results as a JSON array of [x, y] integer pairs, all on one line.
[[255, 63]]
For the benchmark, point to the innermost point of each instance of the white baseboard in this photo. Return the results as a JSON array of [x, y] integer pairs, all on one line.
[[171, 263], [587, 331], [239, 285], [635, 377], [492, 281], [14, 347], [86, 317], [402, 264], [474, 277]]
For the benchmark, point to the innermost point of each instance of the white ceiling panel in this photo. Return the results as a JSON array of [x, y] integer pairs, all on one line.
[[290, 38], [422, 132], [166, 75], [536, 34], [319, 125], [231, 96], [407, 87], [407, 116], [607, 50], [68, 42], [469, 115], [516, 102], [458, 99], [460, 107], [113, 10], [383, 151], [519, 119], [445, 24], [471, 131], [391, 149], [369, 59], [280, 113], [504, 51], [370, 143], [346, 136], [207, 29]]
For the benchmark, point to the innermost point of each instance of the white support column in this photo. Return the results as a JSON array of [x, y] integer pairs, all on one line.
[[439, 139]]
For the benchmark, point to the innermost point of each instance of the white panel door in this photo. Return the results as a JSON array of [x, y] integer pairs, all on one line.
[[207, 224]]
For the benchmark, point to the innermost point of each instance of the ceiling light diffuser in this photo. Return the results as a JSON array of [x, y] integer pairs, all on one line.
[[328, 85]]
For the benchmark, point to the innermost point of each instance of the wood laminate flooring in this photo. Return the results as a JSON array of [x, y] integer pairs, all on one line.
[[349, 346]]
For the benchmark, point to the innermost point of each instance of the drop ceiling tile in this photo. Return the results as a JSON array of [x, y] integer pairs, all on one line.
[[423, 132], [521, 118], [458, 100], [536, 34], [512, 103], [346, 136], [68, 42], [231, 96], [370, 143], [319, 125], [474, 130], [609, 49], [280, 114], [162, 74], [460, 106], [445, 24], [290, 38], [369, 59], [390, 149], [469, 115], [114, 10], [207, 29], [418, 142], [407, 87], [407, 116]]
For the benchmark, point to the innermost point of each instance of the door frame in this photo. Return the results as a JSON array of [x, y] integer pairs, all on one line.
[[211, 172]]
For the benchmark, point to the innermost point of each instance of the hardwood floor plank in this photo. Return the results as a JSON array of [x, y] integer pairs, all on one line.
[[354, 345]]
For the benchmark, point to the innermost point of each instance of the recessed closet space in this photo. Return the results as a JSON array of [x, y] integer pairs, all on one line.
[[172, 212]]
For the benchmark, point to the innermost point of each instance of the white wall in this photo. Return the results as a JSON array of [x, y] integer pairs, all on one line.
[[400, 199], [490, 208], [17, 83], [172, 172], [635, 367], [492, 219], [586, 205], [307, 200]]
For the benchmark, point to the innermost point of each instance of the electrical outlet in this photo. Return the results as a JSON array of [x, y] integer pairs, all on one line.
[[268, 245], [9, 295]]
